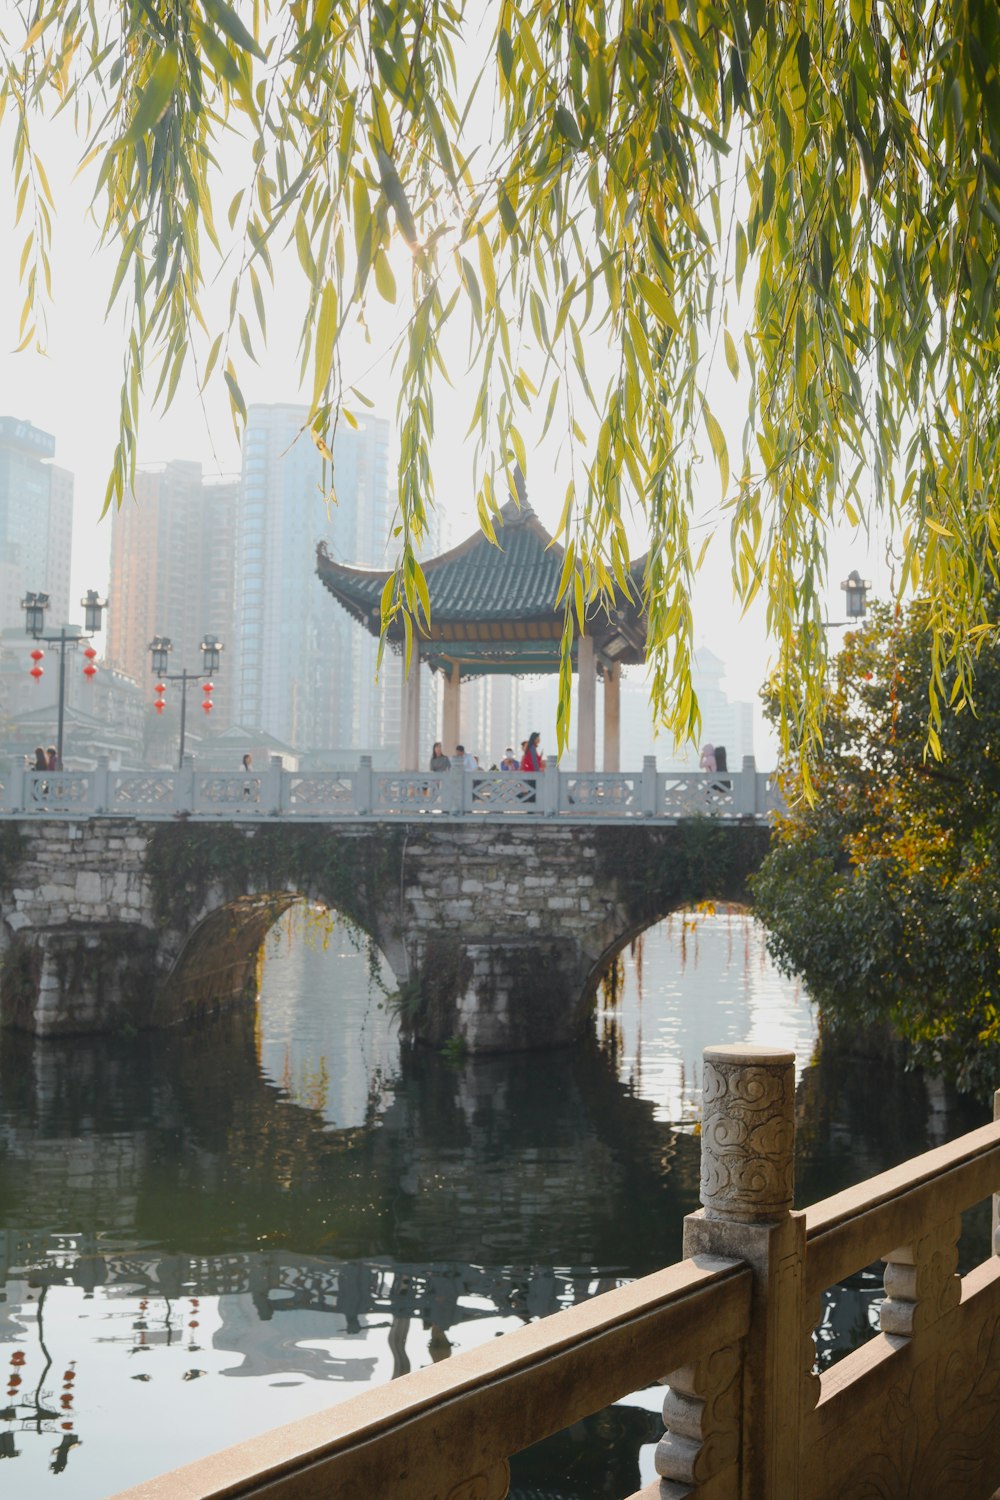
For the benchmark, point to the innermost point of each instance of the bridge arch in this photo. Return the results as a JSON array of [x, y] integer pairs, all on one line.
[[497, 931]]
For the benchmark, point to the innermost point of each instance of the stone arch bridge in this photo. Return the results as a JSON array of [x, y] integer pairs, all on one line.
[[498, 932]]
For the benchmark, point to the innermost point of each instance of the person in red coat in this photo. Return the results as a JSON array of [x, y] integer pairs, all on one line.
[[533, 759]]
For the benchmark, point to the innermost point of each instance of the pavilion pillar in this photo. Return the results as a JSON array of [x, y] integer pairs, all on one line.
[[409, 719], [612, 716], [451, 724], [586, 727]]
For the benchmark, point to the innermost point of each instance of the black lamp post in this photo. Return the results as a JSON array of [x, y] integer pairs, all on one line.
[[34, 606], [856, 591], [159, 650]]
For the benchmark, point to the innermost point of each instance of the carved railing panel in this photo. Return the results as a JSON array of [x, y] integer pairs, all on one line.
[[234, 792], [409, 792], [142, 792], [505, 791], [602, 794], [686, 796], [321, 792], [58, 791]]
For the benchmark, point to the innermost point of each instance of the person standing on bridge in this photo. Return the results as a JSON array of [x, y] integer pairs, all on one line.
[[439, 761], [533, 759], [510, 761], [466, 759]]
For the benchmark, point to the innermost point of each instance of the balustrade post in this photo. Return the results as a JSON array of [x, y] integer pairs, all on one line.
[[184, 786], [649, 786], [274, 799], [364, 791], [745, 800], [742, 1406], [14, 801], [456, 788], [100, 785], [548, 787]]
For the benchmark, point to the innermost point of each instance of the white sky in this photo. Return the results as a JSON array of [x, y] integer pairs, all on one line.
[[73, 391]]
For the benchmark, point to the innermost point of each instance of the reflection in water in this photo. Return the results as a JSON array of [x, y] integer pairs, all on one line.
[[294, 1205]]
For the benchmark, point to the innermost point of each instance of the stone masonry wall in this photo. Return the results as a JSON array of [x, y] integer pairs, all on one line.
[[498, 933]]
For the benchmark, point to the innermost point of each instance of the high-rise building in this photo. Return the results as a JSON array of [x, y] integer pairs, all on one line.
[[306, 674], [173, 574], [36, 523]]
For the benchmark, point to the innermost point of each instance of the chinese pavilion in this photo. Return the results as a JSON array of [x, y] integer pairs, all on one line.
[[493, 610]]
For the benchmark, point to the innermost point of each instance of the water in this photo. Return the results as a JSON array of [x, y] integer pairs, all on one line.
[[203, 1235]]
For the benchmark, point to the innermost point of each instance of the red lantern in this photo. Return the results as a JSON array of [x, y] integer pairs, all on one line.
[[208, 705], [208, 688], [161, 688], [90, 671], [37, 673], [90, 653], [159, 705], [37, 655]]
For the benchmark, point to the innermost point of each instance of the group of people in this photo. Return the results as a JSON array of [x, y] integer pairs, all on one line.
[[531, 758], [46, 760]]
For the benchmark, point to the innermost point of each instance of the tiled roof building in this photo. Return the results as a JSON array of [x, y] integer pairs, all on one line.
[[494, 610]]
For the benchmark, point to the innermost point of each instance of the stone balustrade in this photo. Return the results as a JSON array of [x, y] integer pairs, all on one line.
[[367, 793], [913, 1412]]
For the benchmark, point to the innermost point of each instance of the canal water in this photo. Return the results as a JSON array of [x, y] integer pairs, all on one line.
[[206, 1234]]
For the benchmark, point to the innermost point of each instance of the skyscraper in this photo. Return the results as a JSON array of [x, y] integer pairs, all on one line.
[[36, 522], [172, 573], [304, 674]]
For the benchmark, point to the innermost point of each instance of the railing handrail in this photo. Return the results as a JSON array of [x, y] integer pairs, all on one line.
[[728, 1331], [367, 793], [857, 1226], [374, 1444]]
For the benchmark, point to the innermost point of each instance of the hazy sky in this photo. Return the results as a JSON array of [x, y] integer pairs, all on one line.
[[73, 391]]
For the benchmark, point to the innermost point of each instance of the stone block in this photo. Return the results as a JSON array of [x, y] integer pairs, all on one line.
[[88, 886]]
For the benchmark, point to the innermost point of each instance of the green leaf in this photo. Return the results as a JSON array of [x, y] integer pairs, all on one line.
[[228, 21], [326, 329], [657, 299], [154, 99]]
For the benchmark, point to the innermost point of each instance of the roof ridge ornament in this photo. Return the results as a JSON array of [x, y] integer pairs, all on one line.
[[515, 511]]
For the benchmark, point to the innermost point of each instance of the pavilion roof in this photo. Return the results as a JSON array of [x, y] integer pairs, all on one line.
[[493, 606]]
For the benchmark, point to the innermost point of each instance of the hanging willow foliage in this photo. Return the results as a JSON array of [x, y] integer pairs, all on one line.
[[814, 187]]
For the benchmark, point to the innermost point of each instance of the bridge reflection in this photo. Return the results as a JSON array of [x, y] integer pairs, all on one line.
[[224, 1230]]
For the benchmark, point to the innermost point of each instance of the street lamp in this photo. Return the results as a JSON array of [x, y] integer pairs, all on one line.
[[34, 606], [856, 593], [160, 648]]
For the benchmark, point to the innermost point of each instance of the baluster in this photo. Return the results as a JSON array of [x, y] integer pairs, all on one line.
[[16, 788], [921, 1281], [548, 788], [701, 1412], [363, 789], [276, 796], [745, 789], [100, 786], [649, 786]]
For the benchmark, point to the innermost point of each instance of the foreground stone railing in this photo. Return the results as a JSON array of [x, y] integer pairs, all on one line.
[[368, 793], [914, 1412]]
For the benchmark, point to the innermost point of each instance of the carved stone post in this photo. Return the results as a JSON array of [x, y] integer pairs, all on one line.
[[732, 1407], [275, 799], [16, 787]]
